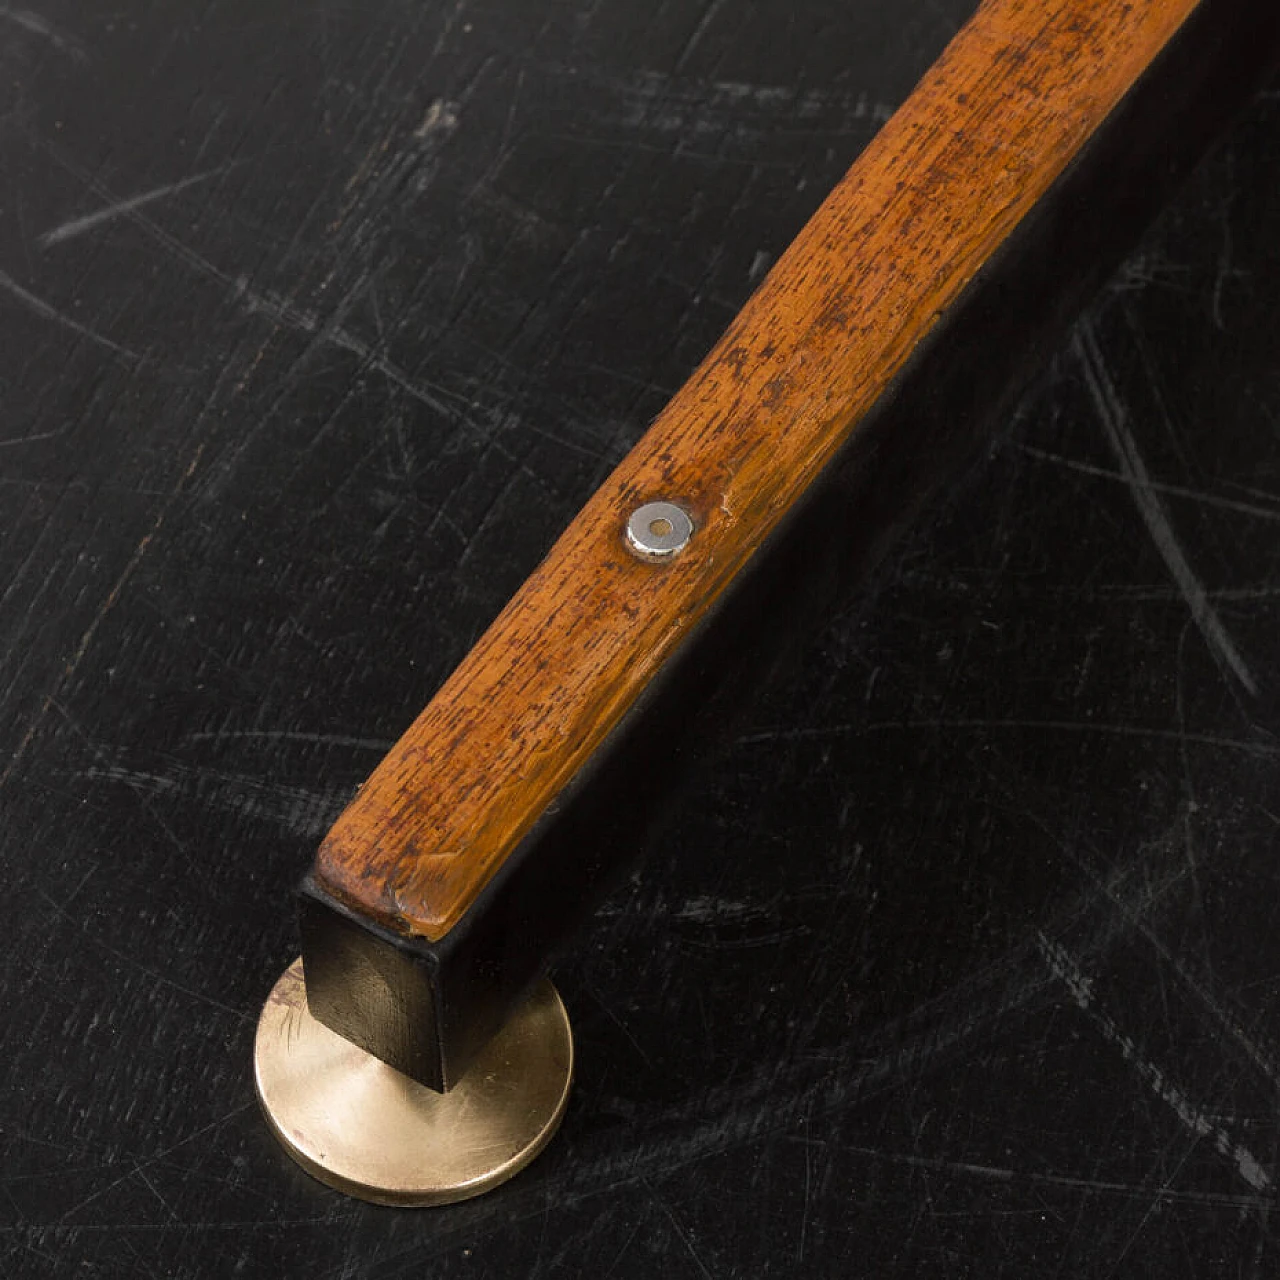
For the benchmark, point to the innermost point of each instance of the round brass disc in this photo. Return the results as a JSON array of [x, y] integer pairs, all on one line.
[[362, 1127]]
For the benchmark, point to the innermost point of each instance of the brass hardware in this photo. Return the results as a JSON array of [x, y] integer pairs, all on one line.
[[360, 1126]]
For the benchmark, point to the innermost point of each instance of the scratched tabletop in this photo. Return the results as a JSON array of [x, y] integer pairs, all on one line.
[[317, 323]]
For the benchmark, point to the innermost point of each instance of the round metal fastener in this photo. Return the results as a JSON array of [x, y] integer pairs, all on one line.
[[659, 530], [360, 1126]]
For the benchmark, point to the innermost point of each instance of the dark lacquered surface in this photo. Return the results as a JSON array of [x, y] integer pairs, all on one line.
[[315, 326]]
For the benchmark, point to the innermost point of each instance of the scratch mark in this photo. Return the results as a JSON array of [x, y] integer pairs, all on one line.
[[654, 103], [1132, 914], [604, 1008], [997, 1173], [681, 1233], [808, 1197], [1226, 271], [103, 609], [135, 1167], [280, 310], [47, 312], [289, 735], [283, 312], [296, 810], [1174, 490], [151, 1186], [504, 142], [31, 439], [1266, 750], [699, 31], [1080, 987], [37, 25], [441, 118], [116, 1228], [78, 226], [626, 1245], [709, 910], [80, 922], [1111, 415]]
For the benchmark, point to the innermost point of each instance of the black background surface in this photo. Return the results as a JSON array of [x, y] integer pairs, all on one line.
[[317, 323]]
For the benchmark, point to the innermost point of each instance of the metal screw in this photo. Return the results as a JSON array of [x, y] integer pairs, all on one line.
[[659, 530]]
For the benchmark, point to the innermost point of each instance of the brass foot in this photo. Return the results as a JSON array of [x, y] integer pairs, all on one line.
[[362, 1127]]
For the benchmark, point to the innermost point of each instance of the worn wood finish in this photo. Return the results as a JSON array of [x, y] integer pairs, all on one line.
[[1014, 98]]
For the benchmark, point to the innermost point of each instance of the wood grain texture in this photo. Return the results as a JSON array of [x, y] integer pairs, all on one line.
[[995, 121]]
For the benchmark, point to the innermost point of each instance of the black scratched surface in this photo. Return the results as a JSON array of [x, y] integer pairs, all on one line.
[[316, 323]]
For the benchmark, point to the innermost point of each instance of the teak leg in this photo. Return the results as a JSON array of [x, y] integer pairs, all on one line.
[[862, 373]]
